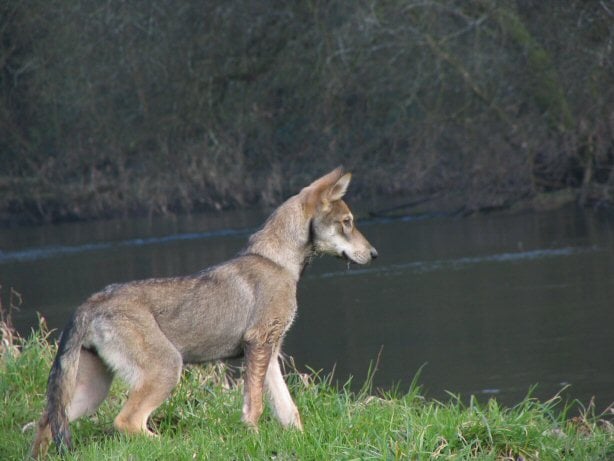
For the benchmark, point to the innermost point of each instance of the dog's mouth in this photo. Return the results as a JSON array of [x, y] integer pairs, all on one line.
[[359, 258], [345, 257]]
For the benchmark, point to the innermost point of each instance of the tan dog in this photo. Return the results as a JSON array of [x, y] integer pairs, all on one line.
[[145, 331]]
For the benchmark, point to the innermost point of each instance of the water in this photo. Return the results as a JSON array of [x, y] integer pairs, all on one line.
[[490, 306]]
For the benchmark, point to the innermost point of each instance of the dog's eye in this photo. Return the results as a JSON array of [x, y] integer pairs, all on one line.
[[347, 222]]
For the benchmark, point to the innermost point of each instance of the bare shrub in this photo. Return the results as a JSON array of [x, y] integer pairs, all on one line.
[[154, 107]]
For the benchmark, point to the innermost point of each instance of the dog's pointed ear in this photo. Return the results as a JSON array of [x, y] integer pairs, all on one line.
[[329, 188], [322, 184], [338, 190]]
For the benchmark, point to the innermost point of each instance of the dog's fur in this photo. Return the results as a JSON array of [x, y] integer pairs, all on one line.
[[144, 331]]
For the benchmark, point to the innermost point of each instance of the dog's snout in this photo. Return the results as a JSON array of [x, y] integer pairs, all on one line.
[[373, 253]]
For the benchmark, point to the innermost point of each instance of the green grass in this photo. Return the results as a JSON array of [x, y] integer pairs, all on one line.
[[201, 420]]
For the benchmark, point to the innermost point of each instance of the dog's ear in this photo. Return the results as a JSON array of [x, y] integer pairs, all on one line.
[[326, 181], [329, 188], [338, 190]]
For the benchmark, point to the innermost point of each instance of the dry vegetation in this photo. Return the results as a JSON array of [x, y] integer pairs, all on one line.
[[111, 108]]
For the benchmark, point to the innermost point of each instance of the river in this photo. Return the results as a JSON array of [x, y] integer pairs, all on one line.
[[488, 306]]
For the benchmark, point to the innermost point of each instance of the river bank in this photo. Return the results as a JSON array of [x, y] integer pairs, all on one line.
[[201, 420], [64, 203], [235, 105]]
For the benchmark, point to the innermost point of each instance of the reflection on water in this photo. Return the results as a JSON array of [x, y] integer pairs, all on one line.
[[491, 305]]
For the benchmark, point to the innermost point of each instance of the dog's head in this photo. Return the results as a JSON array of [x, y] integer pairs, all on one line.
[[332, 226]]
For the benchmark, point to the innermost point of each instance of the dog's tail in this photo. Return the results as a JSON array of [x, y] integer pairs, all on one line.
[[60, 389]]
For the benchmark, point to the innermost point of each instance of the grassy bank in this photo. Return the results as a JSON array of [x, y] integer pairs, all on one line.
[[201, 420]]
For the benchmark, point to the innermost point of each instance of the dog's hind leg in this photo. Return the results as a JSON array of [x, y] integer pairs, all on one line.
[[283, 406], [91, 388], [144, 357], [257, 358], [93, 382]]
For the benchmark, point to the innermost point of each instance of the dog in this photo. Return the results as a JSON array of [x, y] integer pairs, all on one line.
[[144, 331]]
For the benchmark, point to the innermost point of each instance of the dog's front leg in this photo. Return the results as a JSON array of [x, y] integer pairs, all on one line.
[[257, 358], [280, 397]]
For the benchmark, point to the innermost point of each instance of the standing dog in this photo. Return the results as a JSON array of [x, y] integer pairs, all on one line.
[[145, 331]]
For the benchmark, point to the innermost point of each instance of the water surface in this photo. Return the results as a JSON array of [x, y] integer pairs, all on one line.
[[489, 305]]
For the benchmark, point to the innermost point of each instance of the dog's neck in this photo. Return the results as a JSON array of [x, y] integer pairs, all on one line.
[[285, 238]]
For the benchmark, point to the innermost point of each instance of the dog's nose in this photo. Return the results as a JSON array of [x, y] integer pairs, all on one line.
[[373, 253]]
